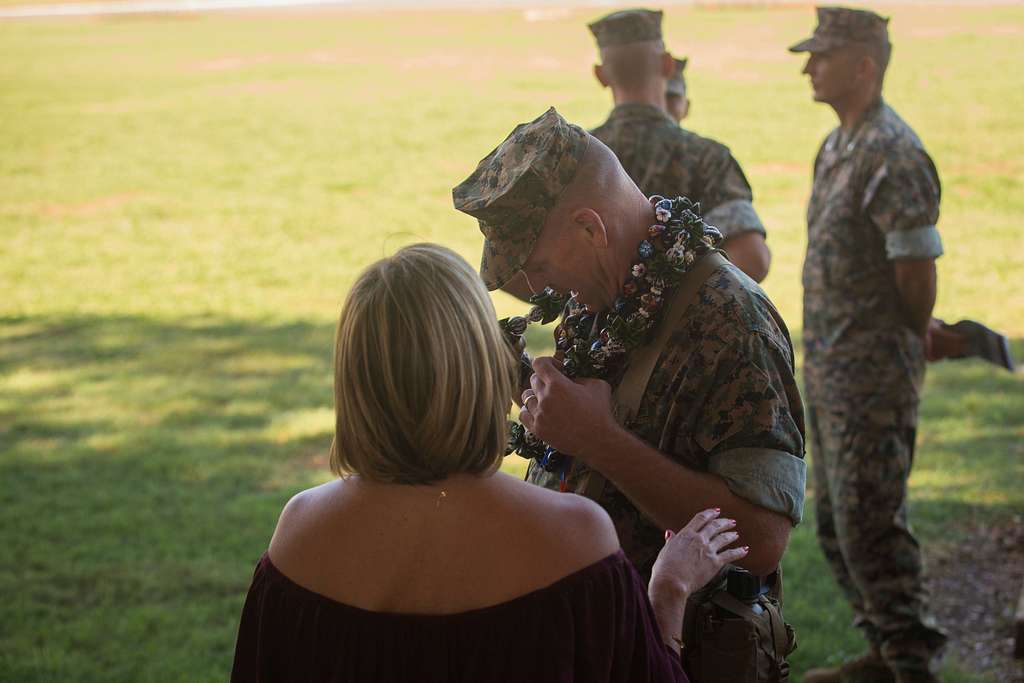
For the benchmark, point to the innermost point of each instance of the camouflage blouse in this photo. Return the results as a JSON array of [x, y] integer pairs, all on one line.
[[875, 200], [722, 399], [664, 159]]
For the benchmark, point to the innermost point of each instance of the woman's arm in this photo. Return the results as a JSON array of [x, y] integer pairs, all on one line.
[[689, 559]]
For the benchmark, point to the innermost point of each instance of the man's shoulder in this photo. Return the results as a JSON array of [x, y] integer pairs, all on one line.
[[663, 129], [731, 305], [887, 134], [704, 145]]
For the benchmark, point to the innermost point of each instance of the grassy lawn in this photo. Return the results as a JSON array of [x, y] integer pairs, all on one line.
[[185, 200]]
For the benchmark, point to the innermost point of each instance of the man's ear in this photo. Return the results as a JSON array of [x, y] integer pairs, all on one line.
[[668, 65], [601, 76], [591, 225], [867, 68], [686, 108]]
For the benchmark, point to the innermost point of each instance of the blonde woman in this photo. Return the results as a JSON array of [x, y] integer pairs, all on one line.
[[422, 562]]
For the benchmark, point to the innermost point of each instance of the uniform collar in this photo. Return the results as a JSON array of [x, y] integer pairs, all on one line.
[[636, 111], [847, 143]]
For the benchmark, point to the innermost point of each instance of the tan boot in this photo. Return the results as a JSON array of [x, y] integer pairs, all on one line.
[[868, 668]]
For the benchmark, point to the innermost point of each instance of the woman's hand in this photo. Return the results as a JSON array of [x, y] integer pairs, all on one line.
[[686, 563], [694, 556]]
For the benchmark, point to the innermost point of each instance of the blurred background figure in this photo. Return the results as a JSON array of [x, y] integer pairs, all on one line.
[[869, 287], [658, 155], [677, 103], [422, 562]]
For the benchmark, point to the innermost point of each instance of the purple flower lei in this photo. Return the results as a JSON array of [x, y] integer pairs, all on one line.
[[671, 247]]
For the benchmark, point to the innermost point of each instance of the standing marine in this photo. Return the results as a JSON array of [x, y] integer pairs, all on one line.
[[869, 287], [658, 155]]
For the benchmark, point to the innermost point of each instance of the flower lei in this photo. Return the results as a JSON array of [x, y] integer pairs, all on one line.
[[672, 246]]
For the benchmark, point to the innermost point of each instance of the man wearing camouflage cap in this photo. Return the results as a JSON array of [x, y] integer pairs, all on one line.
[[869, 287], [720, 421], [677, 104], [657, 154]]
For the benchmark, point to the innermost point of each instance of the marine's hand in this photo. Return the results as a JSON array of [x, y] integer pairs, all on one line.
[[571, 416], [694, 555], [943, 343]]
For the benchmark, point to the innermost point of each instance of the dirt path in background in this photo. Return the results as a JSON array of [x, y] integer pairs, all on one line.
[[975, 586]]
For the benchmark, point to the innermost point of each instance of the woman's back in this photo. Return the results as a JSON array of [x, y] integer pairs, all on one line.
[[462, 544], [473, 579]]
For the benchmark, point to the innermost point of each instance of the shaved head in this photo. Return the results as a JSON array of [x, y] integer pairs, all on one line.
[[634, 64], [600, 184], [590, 235]]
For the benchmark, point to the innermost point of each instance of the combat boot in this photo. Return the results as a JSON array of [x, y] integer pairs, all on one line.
[[868, 668]]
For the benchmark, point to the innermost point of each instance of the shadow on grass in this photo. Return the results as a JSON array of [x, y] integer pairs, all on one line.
[[144, 462]]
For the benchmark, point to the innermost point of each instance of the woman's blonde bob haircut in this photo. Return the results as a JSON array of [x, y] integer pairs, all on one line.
[[423, 377]]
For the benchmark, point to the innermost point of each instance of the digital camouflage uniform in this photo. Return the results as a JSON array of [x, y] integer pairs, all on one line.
[[875, 200], [663, 158], [722, 397]]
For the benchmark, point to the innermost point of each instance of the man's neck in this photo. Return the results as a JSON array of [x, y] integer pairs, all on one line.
[[852, 110], [635, 230], [643, 219], [653, 95]]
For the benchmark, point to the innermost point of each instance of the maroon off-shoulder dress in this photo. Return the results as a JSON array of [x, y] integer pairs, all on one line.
[[593, 626]]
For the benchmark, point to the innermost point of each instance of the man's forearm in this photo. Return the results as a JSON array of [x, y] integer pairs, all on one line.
[[750, 254], [670, 495], [916, 284]]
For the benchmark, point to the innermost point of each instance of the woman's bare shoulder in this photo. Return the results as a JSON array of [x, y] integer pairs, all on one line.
[[301, 518], [569, 524]]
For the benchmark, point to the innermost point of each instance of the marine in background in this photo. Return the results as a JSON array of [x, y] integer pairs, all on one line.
[[677, 102], [869, 283], [658, 155]]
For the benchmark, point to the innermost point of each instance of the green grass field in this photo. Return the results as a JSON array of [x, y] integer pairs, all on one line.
[[185, 200]]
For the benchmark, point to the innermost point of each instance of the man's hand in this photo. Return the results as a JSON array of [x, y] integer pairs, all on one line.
[[576, 418], [571, 416], [942, 343]]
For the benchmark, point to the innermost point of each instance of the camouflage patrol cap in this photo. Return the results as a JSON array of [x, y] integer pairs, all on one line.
[[514, 187], [627, 26], [677, 84], [838, 26]]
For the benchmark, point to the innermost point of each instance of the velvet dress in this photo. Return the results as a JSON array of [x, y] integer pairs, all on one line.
[[595, 625]]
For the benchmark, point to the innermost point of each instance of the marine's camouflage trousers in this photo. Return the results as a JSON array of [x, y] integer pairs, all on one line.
[[861, 462]]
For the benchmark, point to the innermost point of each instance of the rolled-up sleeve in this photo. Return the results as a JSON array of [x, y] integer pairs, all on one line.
[[735, 217], [727, 201], [902, 200], [752, 425], [775, 480]]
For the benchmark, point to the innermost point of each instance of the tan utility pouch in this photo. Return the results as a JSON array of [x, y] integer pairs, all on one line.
[[728, 641], [630, 390]]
